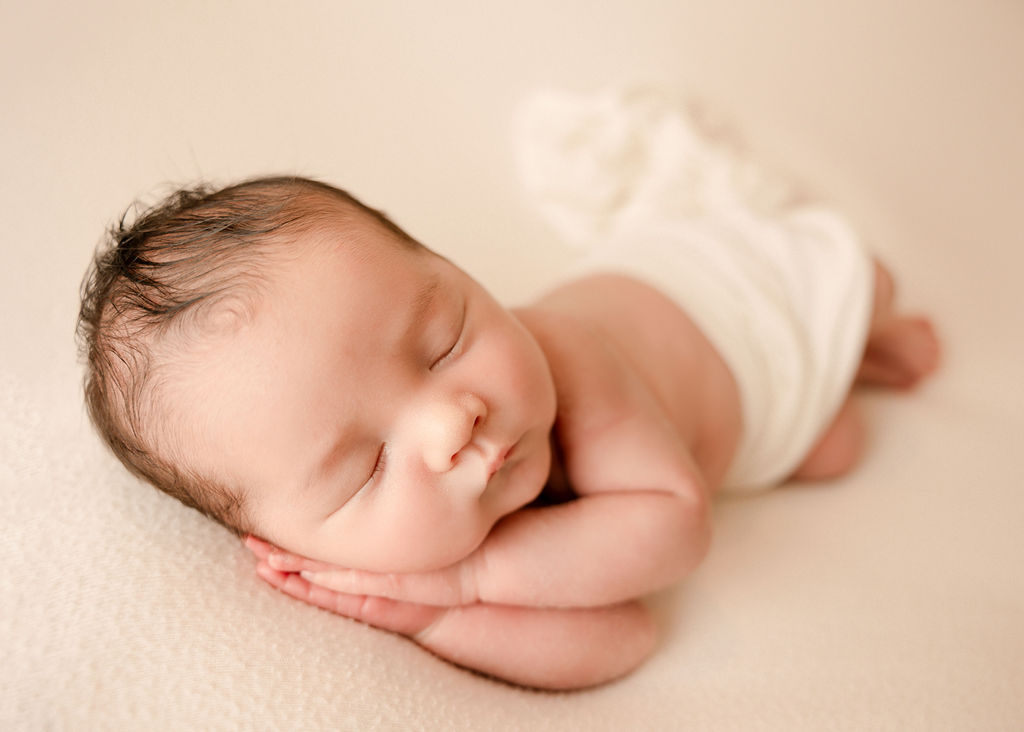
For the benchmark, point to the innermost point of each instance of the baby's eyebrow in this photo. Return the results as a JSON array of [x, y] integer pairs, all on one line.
[[327, 464], [420, 306]]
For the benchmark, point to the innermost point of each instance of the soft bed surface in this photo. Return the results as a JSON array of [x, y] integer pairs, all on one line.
[[891, 599]]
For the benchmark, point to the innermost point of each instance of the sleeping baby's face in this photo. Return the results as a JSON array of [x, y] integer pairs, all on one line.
[[380, 410]]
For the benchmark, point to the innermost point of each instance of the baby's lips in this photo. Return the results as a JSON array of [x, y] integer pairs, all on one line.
[[498, 461], [495, 465]]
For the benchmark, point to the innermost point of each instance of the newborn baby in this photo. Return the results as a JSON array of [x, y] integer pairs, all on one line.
[[501, 486]]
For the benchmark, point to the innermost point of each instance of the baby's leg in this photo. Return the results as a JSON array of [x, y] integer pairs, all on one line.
[[839, 448], [900, 351]]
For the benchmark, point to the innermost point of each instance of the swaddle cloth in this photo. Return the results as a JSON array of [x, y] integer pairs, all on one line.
[[782, 289]]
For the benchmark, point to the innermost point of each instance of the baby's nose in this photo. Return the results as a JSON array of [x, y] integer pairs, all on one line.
[[448, 427]]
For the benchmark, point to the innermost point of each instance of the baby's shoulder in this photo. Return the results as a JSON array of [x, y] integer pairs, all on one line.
[[589, 305], [614, 317], [616, 339], [612, 424], [580, 328], [578, 352], [630, 367], [592, 297]]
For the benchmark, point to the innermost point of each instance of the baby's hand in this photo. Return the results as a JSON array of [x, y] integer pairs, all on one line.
[[542, 647], [407, 618], [447, 587]]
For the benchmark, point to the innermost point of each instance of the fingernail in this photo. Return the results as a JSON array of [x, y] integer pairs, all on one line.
[[308, 575]]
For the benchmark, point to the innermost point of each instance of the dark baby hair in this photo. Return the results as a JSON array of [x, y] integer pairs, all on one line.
[[165, 269]]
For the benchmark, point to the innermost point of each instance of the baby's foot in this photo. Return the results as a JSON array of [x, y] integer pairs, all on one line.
[[900, 352]]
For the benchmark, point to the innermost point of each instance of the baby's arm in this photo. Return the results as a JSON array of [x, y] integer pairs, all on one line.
[[548, 648], [641, 524]]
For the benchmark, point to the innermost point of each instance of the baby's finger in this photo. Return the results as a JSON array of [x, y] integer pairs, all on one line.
[[398, 617], [444, 587], [284, 561], [260, 548], [280, 559]]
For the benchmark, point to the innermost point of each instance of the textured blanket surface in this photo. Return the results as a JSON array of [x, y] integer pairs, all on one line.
[[892, 599]]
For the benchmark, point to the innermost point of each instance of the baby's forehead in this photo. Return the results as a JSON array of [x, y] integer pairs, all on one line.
[[323, 314], [363, 272]]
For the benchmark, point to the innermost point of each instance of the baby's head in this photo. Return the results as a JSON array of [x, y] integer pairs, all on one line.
[[292, 364]]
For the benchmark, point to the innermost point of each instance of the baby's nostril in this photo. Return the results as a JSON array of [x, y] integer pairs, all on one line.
[[476, 421]]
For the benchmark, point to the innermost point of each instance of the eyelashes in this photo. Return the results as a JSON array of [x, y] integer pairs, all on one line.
[[378, 465], [447, 355]]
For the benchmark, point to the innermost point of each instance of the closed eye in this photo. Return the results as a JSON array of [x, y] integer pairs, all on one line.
[[456, 347], [351, 492], [378, 466]]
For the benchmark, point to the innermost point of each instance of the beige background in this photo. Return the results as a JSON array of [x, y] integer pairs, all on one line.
[[892, 600]]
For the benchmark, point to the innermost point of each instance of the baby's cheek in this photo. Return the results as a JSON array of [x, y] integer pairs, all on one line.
[[533, 380], [425, 548], [512, 363]]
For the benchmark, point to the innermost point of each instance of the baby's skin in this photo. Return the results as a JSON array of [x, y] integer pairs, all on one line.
[[501, 486]]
